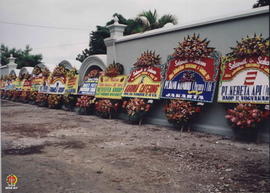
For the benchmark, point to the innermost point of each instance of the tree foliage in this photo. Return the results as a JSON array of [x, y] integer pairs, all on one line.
[[23, 57], [150, 20], [96, 44], [261, 3], [147, 20]]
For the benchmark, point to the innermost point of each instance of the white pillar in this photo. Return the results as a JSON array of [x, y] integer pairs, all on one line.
[[116, 31], [11, 63]]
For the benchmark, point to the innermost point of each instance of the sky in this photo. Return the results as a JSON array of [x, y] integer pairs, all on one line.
[[77, 18]]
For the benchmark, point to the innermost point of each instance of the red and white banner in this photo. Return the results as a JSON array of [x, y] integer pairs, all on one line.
[[245, 81]]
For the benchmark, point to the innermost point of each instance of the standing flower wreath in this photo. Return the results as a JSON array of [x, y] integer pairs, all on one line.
[[180, 113], [108, 108], [136, 109], [69, 100], [245, 118], [85, 104]]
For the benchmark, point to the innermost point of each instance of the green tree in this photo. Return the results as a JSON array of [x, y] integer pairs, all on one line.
[[23, 57], [96, 44], [261, 3], [133, 25], [145, 21]]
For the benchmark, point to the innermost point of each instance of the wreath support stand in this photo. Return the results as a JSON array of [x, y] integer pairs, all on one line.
[[140, 121], [181, 130]]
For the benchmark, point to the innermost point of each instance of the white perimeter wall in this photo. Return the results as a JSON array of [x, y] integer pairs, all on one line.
[[222, 32]]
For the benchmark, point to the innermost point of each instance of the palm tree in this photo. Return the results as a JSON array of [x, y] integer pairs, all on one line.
[[145, 21], [150, 20]]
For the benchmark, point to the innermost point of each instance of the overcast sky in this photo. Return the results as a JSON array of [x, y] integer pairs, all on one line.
[[58, 44]]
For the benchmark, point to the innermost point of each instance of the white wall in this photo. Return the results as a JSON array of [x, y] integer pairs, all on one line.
[[222, 32]]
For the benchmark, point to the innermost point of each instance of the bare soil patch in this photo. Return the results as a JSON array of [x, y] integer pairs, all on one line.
[[59, 151]]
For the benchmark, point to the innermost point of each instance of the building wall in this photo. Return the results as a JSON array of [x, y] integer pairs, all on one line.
[[222, 33]]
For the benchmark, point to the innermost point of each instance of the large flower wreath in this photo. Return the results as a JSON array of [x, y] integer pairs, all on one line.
[[137, 108], [247, 116], [180, 112], [108, 108]]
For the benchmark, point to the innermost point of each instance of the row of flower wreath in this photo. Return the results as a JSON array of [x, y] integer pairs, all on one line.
[[178, 112]]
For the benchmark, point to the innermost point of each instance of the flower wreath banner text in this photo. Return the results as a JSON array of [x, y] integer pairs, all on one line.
[[110, 87], [44, 87], [89, 87], [2, 84], [245, 81], [57, 85], [72, 84], [144, 83], [191, 80], [27, 85], [18, 84], [37, 82]]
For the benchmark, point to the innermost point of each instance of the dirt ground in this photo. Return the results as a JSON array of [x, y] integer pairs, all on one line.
[[55, 151]]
